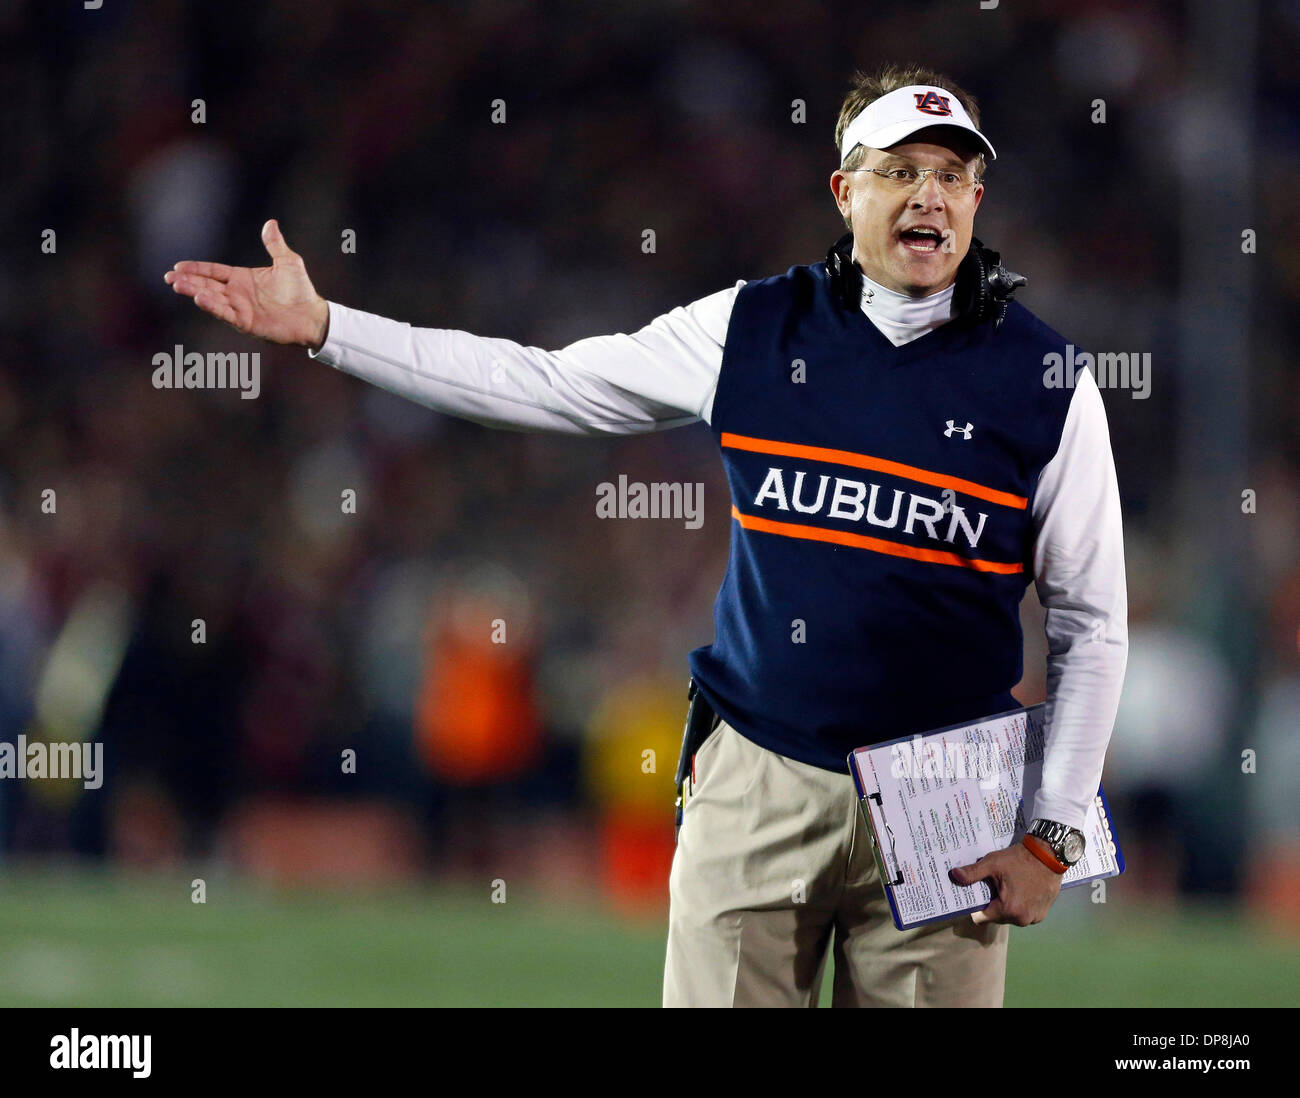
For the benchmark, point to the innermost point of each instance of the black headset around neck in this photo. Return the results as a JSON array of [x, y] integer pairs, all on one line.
[[983, 289]]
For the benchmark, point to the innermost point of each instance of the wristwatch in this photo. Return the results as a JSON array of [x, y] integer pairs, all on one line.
[[1054, 844]]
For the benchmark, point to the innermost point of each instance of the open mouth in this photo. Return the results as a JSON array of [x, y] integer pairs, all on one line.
[[923, 241]]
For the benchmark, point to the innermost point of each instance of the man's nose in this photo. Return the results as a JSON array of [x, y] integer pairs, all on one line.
[[928, 195]]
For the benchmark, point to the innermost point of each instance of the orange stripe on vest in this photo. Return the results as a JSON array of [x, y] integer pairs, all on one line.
[[877, 545], [879, 465]]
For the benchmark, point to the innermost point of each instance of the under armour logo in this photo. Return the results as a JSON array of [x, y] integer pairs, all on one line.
[[965, 431]]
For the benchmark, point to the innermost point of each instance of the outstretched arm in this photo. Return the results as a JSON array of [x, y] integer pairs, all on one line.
[[662, 376]]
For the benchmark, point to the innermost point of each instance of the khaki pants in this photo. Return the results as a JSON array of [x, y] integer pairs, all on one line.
[[773, 870]]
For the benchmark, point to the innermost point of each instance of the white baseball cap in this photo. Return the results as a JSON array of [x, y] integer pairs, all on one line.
[[902, 112]]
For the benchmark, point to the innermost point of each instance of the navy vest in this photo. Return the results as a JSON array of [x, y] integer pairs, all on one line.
[[881, 533]]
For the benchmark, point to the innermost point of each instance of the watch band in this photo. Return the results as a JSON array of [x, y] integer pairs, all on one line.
[[1040, 850], [1059, 839]]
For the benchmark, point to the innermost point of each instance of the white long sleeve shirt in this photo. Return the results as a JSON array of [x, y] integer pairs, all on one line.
[[665, 375]]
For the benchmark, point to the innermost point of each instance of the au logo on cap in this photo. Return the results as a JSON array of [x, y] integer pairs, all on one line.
[[932, 103]]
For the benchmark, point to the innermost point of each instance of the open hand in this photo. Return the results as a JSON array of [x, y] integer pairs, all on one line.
[[276, 303]]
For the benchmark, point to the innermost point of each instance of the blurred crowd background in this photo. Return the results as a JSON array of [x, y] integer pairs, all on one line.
[[328, 632]]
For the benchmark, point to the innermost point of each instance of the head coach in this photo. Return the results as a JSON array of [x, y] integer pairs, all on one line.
[[900, 471]]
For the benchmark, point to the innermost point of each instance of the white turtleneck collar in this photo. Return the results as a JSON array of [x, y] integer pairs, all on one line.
[[900, 318]]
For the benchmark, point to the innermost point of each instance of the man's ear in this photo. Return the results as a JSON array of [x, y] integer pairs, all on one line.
[[842, 189]]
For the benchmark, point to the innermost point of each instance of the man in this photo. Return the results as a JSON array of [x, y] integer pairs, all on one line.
[[899, 468]]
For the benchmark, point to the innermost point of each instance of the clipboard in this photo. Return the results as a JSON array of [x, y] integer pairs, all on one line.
[[949, 796]]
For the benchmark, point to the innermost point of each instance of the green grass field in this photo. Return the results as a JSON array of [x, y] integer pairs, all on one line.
[[88, 939]]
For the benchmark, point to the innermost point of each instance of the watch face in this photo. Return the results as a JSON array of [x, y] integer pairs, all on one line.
[[1073, 847]]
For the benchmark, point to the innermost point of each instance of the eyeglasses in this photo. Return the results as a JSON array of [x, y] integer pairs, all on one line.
[[905, 176]]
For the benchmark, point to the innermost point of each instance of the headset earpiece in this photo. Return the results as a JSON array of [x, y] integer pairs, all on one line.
[[846, 280], [983, 288]]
